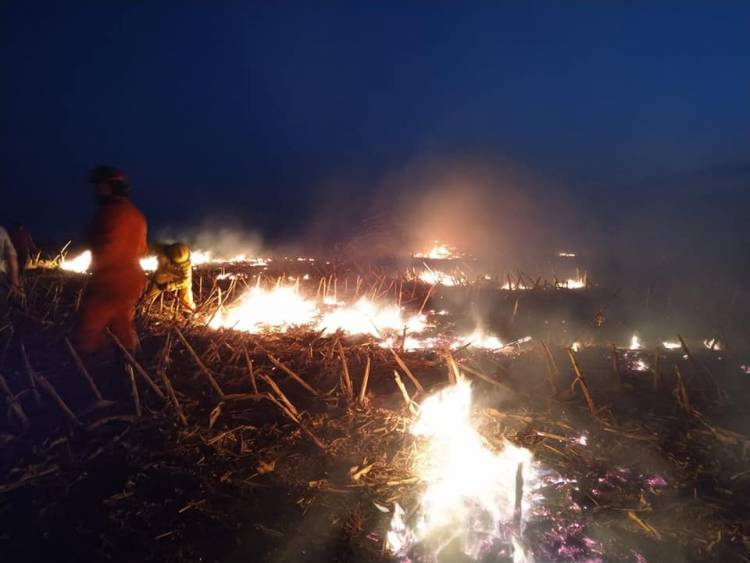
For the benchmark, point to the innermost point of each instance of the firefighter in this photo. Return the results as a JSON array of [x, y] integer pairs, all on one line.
[[25, 247], [174, 272], [117, 238], [10, 284]]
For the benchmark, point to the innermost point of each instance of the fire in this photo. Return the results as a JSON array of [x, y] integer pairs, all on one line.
[[283, 307], [80, 264], [149, 264], [436, 277], [566, 254], [671, 345], [262, 309], [366, 317], [712, 344], [439, 251], [635, 343], [481, 339], [470, 490]]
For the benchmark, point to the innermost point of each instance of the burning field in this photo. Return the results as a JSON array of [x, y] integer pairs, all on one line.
[[320, 411]]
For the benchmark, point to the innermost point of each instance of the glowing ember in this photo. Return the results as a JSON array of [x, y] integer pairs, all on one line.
[[262, 309], [366, 317], [670, 345], [470, 494], [567, 254], [640, 365]]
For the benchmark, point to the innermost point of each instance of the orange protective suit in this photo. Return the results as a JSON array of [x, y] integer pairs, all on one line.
[[118, 240]]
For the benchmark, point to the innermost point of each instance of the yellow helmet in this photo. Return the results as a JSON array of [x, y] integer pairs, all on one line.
[[178, 252]]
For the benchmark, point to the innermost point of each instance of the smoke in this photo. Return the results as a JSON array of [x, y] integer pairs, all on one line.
[[224, 236]]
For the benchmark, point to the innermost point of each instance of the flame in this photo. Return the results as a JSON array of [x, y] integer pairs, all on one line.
[[671, 345], [635, 343], [576, 346], [481, 339], [436, 277], [261, 309], [81, 263], [366, 317], [439, 251], [567, 254], [712, 344], [470, 493], [283, 307], [149, 264]]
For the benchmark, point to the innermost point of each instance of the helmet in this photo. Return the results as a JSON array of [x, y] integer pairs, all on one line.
[[112, 176], [178, 252]]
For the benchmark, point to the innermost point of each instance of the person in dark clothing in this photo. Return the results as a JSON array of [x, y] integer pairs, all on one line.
[[24, 245]]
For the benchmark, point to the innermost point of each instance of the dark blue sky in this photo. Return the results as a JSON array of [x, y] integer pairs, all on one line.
[[252, 107]]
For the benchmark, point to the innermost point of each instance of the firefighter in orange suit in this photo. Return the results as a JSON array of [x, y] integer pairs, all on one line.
[[117, 238]]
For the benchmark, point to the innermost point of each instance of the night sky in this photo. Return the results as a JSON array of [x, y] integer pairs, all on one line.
[[253, 108]]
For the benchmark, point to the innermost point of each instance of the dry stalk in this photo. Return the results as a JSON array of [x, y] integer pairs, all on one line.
[[485, 377], [290, 373], [83, 371], [134, 390], [201, 366], [313, 438], [657, 370], [408, 372], [162, 371], [701, 368], [138, 367], [402, 388], [550, 365], [280, 394], [15, 405], [681, 392], [616, 366], [582, 383], [30, 374], [249, 364], [453, 374], [347, 380], [365, 379], [52, 392]]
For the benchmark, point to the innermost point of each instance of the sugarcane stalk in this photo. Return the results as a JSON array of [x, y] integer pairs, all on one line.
[[250, 371], [582, 383], [47, 387], [83, 371], [280, 394], [138, 367], [15, 404], [201, 366], [365, 379], [162, 371], [616, 366], [291, 373], [30, 374], [408, 372], [347, 380]]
